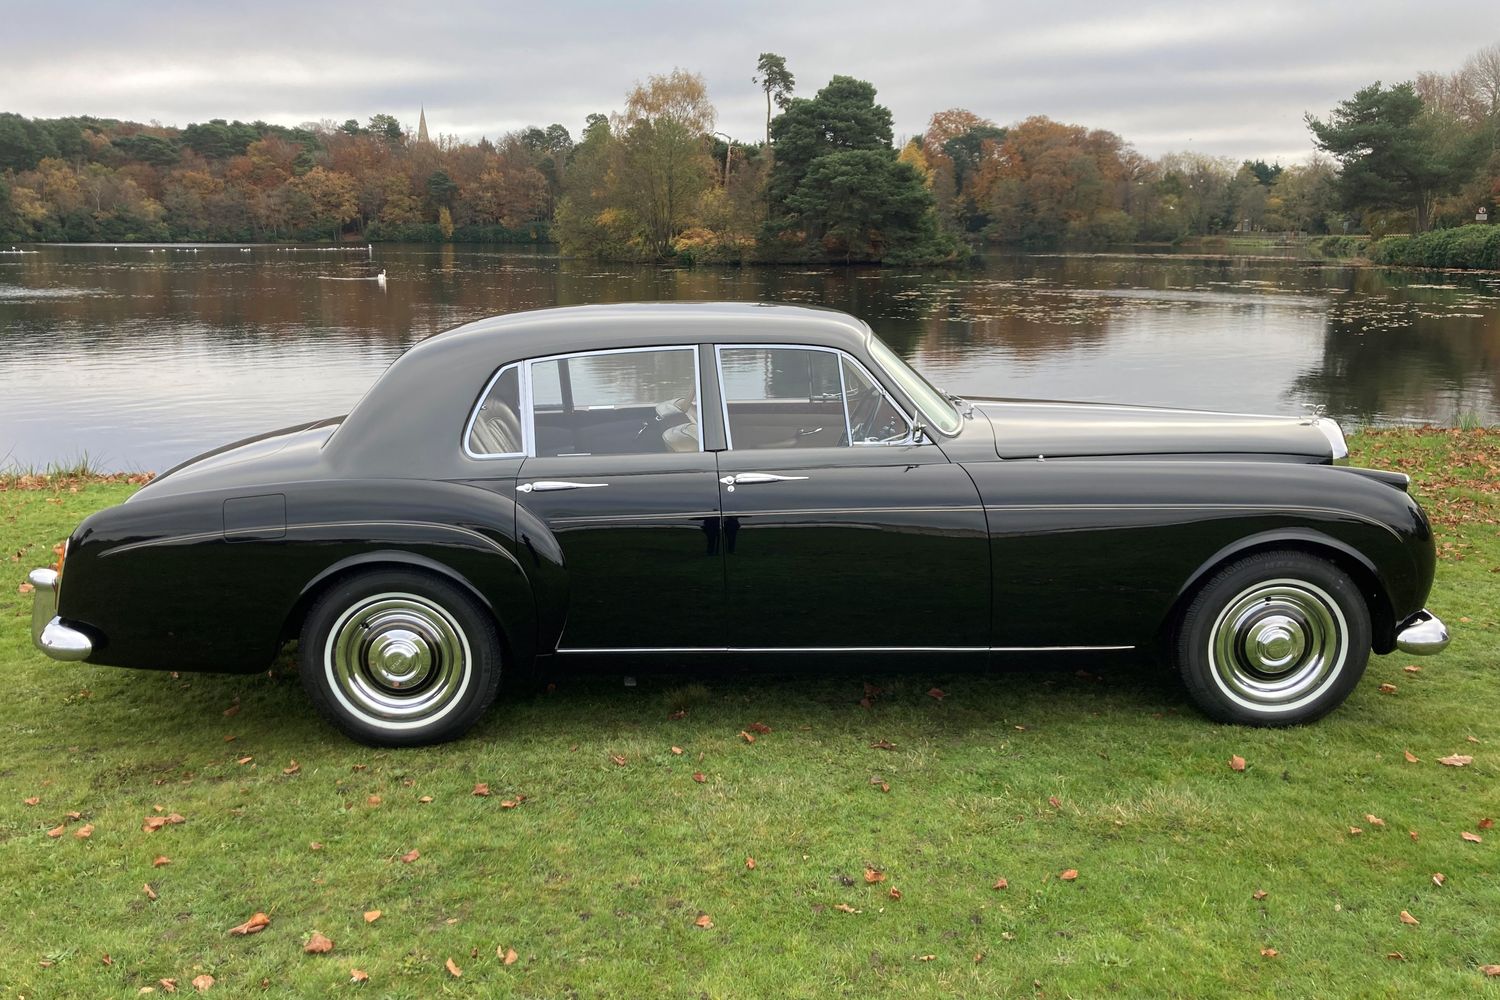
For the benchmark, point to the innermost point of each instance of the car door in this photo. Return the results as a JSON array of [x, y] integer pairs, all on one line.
[[617, 474], [841, 532]]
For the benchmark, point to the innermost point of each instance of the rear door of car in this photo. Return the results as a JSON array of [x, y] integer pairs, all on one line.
[[840, 532]]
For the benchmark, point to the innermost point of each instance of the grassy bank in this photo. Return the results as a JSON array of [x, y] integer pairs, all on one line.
[[1475, 248], [633, 879]]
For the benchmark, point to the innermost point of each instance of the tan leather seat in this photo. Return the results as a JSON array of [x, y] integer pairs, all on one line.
[[497, 431]]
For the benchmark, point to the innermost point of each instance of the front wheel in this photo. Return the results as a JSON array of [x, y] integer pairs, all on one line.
[[399, 658], [1274, 639]]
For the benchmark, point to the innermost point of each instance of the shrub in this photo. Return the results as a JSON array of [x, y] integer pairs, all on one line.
[[1473, 247]]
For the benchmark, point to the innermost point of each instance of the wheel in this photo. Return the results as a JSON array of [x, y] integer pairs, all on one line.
[[1274, 639], [399, 658]]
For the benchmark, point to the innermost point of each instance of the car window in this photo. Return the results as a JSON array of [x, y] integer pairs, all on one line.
[[794, 397], [495, 428], [615, 403]]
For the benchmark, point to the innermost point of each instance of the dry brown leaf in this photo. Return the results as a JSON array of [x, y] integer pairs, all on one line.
[[453, 970], [1054, 802], [1411, 758], [314, 845], [358, 976], [231, 711], [844, 908], [1438, 878], [978, 957], [1387, 688], [482, 789], [425, 799], [1472, 739], [1472, 838], [895, 893], [203, 983], [1413, 835], [937, 694], [873, 875], [1395, 956], [748, 737], [317, 945], [1374, 820], [57, 831], [160, 861], [1490, 970], [1069, 875], [1486, 823], [373, 800], [1407, 918], [507, 956], [107, 960], [1269, 952], [1236, 763], [245, 759], [25, 588], [84, 832], [1412, 668], [371, 916], [75, 815], [925, 958], [618, 759], [168, 985], [150, 892], [1355, 831], [1001, 883], [760, 727], [882, 745], [1456, 760], [677, 751], [33, 800], [411, 855], [681, 713], [153, 823], [704, 921], [750, 863], [512, 803], [699, 777], [291, 768], [1259, 894], [257, 923]]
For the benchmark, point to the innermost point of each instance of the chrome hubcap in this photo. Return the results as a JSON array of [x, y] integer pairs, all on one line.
[[397, 660], [1278, 644]]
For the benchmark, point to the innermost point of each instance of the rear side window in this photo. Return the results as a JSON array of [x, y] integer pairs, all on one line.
[[495, 428], [631, 402]]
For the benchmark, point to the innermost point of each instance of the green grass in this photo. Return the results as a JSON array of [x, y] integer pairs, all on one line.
[[598, 878]]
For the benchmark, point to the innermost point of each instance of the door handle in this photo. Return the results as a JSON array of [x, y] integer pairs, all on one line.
[[751, 478], [553, 485]]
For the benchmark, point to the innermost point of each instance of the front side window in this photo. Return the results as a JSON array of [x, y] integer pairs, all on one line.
[[630, 402], [795, 397]]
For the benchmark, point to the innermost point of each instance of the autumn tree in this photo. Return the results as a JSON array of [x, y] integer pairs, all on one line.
[[661, 164], [777, 82], [1051, 183]]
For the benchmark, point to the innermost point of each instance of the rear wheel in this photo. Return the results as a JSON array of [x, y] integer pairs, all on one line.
[[400, 658], [1274, 639]]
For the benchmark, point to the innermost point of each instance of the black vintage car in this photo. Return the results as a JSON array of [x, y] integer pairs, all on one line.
[[760, 482]]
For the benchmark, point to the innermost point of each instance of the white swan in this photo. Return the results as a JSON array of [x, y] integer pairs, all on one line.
[[380, 278]]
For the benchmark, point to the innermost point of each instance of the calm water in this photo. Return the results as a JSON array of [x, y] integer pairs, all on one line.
[[140, 357]]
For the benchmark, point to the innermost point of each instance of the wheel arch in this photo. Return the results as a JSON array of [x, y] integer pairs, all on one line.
[[1350, 560]]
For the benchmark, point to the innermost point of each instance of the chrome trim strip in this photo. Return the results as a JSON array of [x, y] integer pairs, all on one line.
[[687, 515], [855, 510], [844, 649], [204, 535]]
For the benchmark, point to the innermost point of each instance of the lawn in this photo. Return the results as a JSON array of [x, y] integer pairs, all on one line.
[[939, 866]]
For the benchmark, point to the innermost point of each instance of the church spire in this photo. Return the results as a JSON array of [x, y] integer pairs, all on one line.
[[422, 125]]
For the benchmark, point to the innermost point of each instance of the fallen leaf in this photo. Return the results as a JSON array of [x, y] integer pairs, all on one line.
[[704, 921], [1438, 878], [1069, 875], [1374, 820], [1472, 739], [33, 800], [1472, 838], [881, 783], [153, 823], [1269, 952], [1412, 834], [1387, 688], [373, 800], [1054, 802], [150, 892], [512, 803], [292, 768], [84, 832], [358, 767], [895, 893], [882, 745], [750, 863], [75, 815], [425, 799], [245, 759], [1355, 831], [925, 958], [231, 711], [168, 985], [371, 916], [845, 908], [978, 957], [1259, 894], [1490, 970], [203, 982], [1236, 763], [1001, 883], [508, 956], [937, 694], [57, 831], [314, 846], [107, 960], [453, 970], [1486, 823], [681, 713], [677, 751], [1412, 668], [411, 855], [748, 737], [619, 760], [358, 976], [760, 727], [1395, 956], [873, 875], [257, 923], [25, 588], [482, 790], [1411, 758], [1456, 760], [699, 777], [317, 945], [1407, 918]]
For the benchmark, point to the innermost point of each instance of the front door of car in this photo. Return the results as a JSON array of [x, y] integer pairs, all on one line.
[[839, 532], [618, 478]]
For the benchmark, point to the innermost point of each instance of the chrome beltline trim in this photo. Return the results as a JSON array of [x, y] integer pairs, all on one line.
[[202, 535], [843, 649]]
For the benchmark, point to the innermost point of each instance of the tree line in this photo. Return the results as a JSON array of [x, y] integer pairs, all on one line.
[[656, 180]]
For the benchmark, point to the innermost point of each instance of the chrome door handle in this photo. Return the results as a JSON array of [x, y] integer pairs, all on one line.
[[553, 485], [751, 478]]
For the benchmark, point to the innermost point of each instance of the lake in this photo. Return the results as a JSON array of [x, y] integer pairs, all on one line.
[[140, 356]]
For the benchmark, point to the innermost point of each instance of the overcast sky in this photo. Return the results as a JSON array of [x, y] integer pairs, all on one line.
[[1221, 78]]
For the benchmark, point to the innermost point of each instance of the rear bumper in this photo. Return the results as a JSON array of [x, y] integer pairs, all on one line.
[[1422, 634], [48, 632]]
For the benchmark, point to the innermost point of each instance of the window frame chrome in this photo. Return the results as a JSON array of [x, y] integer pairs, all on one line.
[[527, 415], [909, 441]]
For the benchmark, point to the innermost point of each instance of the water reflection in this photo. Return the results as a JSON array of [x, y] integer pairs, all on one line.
[[141, 356]]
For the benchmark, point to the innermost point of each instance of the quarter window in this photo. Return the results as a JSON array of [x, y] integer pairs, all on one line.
[[495, 428], [793, 397]]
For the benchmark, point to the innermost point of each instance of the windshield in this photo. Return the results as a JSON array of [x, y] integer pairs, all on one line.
[[928, 400]]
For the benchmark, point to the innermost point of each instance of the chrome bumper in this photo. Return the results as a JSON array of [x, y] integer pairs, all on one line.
[[48, 632], [1422, 634]]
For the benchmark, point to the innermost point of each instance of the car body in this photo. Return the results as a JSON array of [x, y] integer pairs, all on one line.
[[767, 482]]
